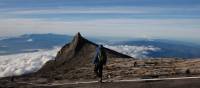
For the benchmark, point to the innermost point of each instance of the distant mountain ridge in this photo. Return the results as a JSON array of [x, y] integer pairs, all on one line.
[[34, 42]]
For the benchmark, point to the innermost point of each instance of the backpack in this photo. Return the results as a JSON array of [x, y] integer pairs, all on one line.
[[102, 57]]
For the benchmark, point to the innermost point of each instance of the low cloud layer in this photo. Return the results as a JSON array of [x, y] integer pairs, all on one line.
[[134, 51], [18, 64]]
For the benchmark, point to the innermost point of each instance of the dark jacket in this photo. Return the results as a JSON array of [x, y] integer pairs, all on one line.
[[100, 51]]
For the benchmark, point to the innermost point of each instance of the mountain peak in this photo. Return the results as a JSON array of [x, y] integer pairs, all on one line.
[[78, 41], [78, 36], [76, 54]]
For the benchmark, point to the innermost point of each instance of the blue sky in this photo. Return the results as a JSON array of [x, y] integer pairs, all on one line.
[[172, 19]]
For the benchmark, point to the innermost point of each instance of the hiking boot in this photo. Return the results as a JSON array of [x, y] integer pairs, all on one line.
[[100, 80]]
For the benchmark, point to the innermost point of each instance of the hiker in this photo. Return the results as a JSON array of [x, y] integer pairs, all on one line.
[[99, 60]]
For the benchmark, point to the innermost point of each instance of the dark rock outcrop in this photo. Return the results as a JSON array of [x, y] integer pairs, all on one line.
[[78, 53]]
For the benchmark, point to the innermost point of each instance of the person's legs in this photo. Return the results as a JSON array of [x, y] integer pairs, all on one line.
[[96, 70], [100, 72]]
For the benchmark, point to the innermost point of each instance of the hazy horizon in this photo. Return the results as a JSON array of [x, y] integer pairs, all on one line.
[[110, 38]]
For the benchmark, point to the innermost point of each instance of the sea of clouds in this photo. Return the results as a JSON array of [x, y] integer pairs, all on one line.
[[134, 51], [23, 63], [18, 64]]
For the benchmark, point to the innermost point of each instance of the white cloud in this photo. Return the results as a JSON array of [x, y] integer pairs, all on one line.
[[105, 27], [30, 40], [134, 51], [18, 64], [12, 22]]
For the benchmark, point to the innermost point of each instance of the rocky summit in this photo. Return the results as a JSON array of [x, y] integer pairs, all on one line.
[[76, 54]]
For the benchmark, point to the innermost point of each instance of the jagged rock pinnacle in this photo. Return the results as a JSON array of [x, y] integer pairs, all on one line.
[[78, 41], [76, 54], [78, 35]]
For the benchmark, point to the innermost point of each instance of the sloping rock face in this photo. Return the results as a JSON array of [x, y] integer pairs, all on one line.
[[76, 54]]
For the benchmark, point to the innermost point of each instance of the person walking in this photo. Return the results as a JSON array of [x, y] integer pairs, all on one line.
[[99, 60]]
